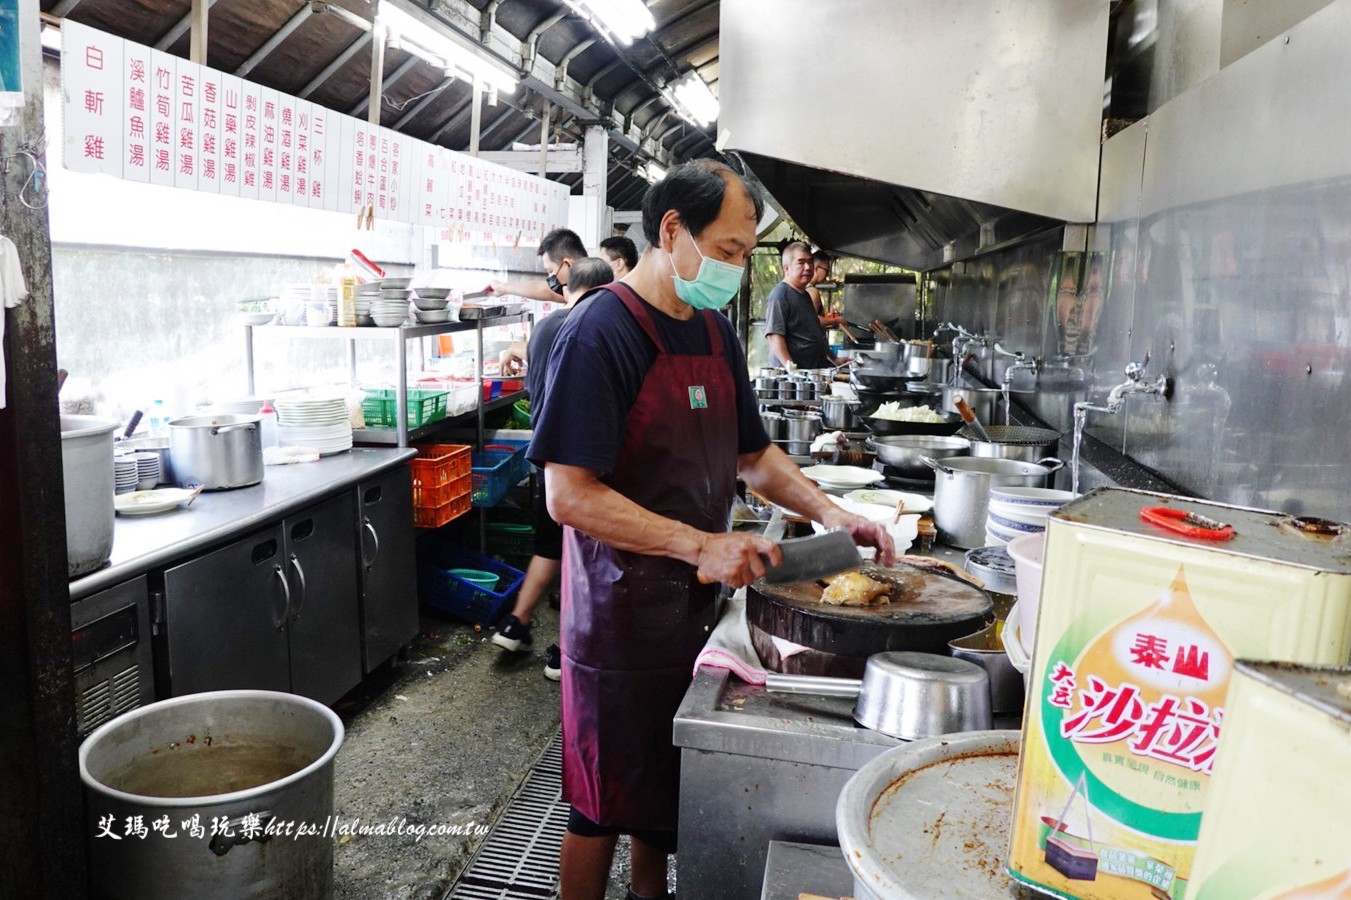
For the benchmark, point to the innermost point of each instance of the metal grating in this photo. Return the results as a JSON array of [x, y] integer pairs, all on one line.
[[107, 699], [519, 858]]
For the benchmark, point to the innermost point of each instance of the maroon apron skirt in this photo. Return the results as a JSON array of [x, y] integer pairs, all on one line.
[[632, 624]]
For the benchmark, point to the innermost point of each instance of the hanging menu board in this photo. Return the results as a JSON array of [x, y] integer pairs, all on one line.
[[139, 114]]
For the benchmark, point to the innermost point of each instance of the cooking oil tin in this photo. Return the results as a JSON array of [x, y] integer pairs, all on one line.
[[1147, 600], [1276, 825]]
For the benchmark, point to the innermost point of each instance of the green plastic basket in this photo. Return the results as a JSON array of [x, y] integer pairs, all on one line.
[[424, 406]]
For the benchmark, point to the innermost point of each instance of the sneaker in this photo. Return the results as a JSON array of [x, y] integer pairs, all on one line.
[[513, 634], [553, 663]]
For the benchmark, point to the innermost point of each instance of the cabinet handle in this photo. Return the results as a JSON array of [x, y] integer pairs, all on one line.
[[286, 596], [300, 575], [375, 539]]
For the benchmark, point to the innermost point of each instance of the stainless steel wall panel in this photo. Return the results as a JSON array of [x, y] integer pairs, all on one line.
[[996, 101], [1278, 117]]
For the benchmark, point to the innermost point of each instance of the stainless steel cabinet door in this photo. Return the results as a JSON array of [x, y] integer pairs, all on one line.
[[225, 618], [322, 568], [389, 614]]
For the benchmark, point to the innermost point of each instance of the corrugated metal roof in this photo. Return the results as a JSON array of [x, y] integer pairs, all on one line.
[[328, 60]]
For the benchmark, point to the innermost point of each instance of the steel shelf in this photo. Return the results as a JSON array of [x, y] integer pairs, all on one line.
[[391, 435], [401, 435]]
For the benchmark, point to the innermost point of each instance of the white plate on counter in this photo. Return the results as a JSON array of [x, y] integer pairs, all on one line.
[[150, 503], [842, 477], [914, 503]]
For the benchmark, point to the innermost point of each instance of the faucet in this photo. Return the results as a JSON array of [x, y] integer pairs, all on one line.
[[1020, 364], [1135, 383]]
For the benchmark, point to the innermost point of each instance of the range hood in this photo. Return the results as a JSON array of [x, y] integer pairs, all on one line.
[[916, 132]]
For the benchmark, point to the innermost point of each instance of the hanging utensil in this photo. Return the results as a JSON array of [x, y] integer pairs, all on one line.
[[131, 426], [969, 417]]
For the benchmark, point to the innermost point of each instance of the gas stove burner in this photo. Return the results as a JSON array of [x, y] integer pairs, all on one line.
[[903, 482]]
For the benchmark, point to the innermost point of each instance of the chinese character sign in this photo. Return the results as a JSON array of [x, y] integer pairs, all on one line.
[[144, 115]]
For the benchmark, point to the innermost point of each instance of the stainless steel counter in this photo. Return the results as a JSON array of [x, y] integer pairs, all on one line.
[[758, 767], [792, 869], [142, 543]]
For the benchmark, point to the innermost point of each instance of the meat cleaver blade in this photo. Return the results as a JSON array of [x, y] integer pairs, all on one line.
[[818, 556]]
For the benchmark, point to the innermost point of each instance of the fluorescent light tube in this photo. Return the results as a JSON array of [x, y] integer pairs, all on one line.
[[413, 33], [695, 99]]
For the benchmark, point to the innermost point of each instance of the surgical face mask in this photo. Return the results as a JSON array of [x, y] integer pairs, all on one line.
[[713, 286]]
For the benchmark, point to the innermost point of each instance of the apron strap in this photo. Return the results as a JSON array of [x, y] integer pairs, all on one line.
[[638, 310], [714, 337]]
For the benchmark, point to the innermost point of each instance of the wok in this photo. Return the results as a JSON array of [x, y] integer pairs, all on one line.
[[906, 453], [882, 379], [889, 427]]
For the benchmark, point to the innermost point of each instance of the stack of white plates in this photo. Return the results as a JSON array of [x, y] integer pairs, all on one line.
[[125, 473], [1016, 511], [244, 406], [314, 421], [147, 470]]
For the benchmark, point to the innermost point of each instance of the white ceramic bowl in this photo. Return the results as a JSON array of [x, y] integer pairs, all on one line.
[[1026, 552], [1024, 515], [1032, 496], [991, 540], [1002, 525], [257, 318]]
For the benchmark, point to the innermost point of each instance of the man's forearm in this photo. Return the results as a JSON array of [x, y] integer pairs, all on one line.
[[575, 497], [778, 345], [772, 475], [531, 289]]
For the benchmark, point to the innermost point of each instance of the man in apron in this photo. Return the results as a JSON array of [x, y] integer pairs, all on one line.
[[648, 420]]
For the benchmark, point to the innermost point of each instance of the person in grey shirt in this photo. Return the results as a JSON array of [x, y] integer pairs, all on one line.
[[791, 325]]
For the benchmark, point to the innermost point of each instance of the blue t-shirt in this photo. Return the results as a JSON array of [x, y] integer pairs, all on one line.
[[599, 362]]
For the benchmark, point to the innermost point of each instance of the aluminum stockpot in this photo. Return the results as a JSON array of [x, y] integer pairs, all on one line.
[[217, 452], [984, 402], [962, 492], [906, 452], [906, 695], [213, 756], [837, 413], [776, 426], [88, 480], [803, 427]]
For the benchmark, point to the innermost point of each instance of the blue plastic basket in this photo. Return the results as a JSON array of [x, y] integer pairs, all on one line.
[[497, 468], [441, 590]]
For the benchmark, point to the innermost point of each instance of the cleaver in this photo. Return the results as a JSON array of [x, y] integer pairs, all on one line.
[[811, 558]]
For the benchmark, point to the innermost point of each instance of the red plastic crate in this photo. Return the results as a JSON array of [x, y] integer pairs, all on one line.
[[436, 472], [435, 517]]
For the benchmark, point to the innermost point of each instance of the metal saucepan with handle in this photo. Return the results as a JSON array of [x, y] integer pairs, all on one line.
[[217, 452], [906, 452], [905, 695], [962, 492]]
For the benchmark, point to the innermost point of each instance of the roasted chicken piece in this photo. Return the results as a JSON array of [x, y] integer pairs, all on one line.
[[855, 589]]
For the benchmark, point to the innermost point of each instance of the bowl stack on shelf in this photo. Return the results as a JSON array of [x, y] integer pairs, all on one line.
[[390, 308], [314, 420], [431, 305], [147, 470], [125, 473], [367, 294], [1016, 511]]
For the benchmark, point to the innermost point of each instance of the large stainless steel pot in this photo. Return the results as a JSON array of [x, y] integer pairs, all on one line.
[[962, 492], [906, 453], [1019, 442], [217, 452], [837, 413], [775, 425], [215, 756], [984, 402], [904, 694], [803, 428], [87, 476]]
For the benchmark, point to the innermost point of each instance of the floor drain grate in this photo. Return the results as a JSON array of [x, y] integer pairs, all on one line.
[[518, 860]]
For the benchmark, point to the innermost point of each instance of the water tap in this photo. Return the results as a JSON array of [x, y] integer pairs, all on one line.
[[1021, 363], [1135, 383]]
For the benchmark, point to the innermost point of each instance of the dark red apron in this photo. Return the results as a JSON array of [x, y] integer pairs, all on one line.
[[633, 624]]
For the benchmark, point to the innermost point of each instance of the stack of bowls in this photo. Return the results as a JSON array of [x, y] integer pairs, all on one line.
[[147, 470], [1016, 511], [367, 293], [431, 303], [125, 473], [390, 308]]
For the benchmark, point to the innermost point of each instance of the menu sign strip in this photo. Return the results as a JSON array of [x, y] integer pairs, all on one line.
[[143, 115]]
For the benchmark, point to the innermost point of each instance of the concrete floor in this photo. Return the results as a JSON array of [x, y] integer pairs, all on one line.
[[444, 736]]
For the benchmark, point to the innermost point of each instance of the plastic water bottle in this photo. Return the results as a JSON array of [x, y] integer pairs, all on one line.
[[159, 423], [267, 429]]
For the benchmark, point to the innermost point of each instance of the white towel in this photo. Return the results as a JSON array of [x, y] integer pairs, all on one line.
[[729, 646], [12, 290]]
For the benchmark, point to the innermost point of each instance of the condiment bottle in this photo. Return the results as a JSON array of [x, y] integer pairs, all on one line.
[[267, 428], [347, 296]]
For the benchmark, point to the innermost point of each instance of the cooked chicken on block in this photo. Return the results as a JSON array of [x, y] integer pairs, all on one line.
[[855, 589]]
